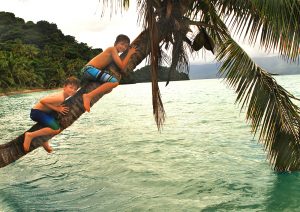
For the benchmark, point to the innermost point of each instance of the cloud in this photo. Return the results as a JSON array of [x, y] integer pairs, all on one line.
[[81, 19]]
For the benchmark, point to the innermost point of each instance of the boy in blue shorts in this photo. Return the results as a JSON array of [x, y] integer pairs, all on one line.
[[93, 71], [41, 113]]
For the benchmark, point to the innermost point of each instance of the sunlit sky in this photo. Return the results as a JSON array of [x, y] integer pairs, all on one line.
[[82, 19]]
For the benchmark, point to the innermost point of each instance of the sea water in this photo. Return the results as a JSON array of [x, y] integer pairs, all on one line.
[[114, 158]]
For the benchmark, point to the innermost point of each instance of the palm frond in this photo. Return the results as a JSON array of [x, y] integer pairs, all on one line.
[[179, 56], [180, 26], [275, 23], [264, 99], [155, 53], [115, 6], [269, 107]]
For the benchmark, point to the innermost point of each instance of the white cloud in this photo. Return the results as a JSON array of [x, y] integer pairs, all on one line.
[[81, 19]]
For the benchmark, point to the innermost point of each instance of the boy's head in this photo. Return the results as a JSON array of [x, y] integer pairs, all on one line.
[[122, 43], [71, 85], [122, 38]]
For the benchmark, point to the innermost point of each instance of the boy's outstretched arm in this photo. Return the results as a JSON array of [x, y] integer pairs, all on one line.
[[122, 63]]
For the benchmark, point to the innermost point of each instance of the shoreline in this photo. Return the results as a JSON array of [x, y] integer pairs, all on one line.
[[24, 91]]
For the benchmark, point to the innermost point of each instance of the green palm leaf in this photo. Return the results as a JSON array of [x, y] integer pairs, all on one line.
[[268, 106], [275, 23]]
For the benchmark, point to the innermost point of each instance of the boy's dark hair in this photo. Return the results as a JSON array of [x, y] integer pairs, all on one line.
[[122, 37], [72, 81]]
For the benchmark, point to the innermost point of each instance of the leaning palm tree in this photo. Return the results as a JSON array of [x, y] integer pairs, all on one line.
[[174, 28]]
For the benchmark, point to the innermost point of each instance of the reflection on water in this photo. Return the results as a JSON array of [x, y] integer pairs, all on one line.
[[114, 159], [284, 193]]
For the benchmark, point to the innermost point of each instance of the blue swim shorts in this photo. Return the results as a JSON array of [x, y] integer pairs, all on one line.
[[44, 118], [91, 73]]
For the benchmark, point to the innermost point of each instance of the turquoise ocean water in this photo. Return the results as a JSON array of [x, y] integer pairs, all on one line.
[[114, 159]]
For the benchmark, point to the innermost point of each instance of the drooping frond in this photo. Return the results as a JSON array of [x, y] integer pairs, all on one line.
[[274, 23], [158, 109], [180, 60], [168, 17], [269, 107], [178, 34], [114, 6]]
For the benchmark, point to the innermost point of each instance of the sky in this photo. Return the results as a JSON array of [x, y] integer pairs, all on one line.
[[83, 19]]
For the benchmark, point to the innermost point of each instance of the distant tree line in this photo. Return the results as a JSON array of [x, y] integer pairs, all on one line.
[[41, 56], [38, 55]]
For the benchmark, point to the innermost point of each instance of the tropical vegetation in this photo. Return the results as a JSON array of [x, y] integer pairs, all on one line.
[[41, 56], [38, 55]]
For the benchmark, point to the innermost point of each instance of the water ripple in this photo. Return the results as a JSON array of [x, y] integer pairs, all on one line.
[[205, 158]]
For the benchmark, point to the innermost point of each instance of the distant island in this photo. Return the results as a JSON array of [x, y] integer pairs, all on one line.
[[274, 65], [38, 55], [144, 75]]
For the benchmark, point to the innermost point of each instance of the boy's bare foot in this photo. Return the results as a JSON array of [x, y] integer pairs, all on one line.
[[27, 142], [86, 102], [47, 147]]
